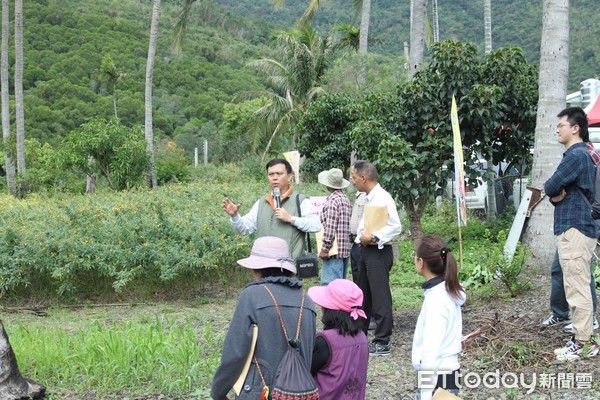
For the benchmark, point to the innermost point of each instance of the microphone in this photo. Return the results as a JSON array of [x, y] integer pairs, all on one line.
[[277, 197]]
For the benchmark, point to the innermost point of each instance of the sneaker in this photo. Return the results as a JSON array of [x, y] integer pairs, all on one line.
[[569, 328], [556, 320], [379, 349], [574, 350]]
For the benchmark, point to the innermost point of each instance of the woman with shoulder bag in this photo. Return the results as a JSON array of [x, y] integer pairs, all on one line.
[[273, 271]]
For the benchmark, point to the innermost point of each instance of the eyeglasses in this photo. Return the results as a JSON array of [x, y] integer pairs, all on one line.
[[414, 256], [559, 126]]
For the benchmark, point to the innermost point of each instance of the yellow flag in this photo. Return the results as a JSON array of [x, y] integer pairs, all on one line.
[[459, 172]]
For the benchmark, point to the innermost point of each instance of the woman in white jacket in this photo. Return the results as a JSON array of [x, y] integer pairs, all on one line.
[[437, 340]]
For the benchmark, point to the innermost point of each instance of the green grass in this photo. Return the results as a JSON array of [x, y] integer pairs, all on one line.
[[116, 356]]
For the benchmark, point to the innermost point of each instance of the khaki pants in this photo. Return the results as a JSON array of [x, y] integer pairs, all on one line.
[[575, 251]]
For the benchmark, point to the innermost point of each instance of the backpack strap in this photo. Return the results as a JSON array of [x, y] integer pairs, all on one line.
[[281, 318], [291, 343]]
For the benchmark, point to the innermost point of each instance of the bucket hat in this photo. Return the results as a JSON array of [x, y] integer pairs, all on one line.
[[334, 178], [340, 294], [269, 252]]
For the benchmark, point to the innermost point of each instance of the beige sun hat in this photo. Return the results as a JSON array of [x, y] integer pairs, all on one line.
[[334, 178], [269, 252]]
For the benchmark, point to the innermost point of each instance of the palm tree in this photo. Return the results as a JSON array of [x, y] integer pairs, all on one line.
[[8, 161], [295, 79], [417, 35], [109, 73], [148, 133], [554, 72], [20, 117]]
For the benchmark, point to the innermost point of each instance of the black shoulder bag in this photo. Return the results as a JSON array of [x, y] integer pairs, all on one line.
[[307, 265]]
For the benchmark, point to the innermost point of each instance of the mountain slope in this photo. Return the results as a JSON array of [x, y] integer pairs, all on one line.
[[514, 24]]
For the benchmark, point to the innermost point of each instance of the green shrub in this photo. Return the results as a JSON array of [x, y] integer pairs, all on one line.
[[113, 240], [171, 164]]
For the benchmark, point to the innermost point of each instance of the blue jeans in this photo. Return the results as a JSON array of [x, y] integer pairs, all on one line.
[[333, 268], [558, 299]]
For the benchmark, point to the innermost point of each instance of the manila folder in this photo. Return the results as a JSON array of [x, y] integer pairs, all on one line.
[[376, 217], [334, 246]]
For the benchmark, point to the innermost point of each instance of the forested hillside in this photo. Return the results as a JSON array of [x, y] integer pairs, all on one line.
[[514, 24], [66, 42]]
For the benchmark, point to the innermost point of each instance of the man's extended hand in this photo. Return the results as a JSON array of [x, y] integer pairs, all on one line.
[[282, 215], [230, 208]]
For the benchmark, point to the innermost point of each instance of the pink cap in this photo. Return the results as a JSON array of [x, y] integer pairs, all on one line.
[[340, 294]]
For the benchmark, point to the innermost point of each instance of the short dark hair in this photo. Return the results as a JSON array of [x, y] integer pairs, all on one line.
[[274, 272], [342, 322], [363, 167], [275, 161], [576, 116]]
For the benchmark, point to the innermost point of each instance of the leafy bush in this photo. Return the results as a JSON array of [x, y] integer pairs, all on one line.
[[107, 148], [171, 164], [69, 245], [82, 245], [483, 272]]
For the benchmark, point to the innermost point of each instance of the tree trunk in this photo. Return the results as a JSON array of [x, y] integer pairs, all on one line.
[[148, 133], [20, 117], [90, 187], [363, 40], [9, 166], [115, 101], [487, 21], [491, 187], [554, 71], [12, 385], [417, 36], [436, 21], [414, 217]]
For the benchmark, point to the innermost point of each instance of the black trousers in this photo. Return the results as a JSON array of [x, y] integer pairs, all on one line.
[[354, 260], [374, 267]]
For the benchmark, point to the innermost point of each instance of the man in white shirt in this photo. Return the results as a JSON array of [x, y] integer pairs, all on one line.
[[268, 218], [376, 256]]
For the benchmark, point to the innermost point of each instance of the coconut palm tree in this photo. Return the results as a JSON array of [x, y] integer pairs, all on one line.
[[8, 160], [148, 133], [20, 115], [109, 73], [295, 78], [553, 78]]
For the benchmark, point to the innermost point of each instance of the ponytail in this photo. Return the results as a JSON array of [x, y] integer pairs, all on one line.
[[440, 261]]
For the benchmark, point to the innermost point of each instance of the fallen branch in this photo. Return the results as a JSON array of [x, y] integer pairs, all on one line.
[[39, 311]]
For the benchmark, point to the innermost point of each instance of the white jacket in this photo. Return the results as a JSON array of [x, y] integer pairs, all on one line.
[[438, 334]]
